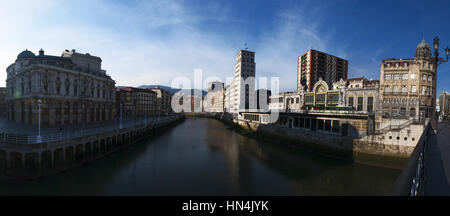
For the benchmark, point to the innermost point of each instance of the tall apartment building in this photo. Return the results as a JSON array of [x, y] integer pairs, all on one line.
[[408, 86], [444, 104], [314, 64], [242, 93]]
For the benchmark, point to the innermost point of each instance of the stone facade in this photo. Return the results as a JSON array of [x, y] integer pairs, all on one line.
[[163, 101], [72, 89], [408, 86], [136, 102]]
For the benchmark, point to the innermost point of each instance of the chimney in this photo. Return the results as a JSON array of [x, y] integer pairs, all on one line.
[[73, 50], [41, 52]]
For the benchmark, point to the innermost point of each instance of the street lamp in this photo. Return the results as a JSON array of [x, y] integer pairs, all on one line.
[[438, 61], [436, 53], [38, 138]]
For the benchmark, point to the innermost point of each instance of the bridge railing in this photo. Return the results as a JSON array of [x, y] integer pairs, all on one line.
[[410, 181]]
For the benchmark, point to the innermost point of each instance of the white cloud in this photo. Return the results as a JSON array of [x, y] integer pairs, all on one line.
[[153, 42]]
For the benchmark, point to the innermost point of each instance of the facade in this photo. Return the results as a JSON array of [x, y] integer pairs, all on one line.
[[227, 98], [263, 105], [315, 64], [163, 101], [71, 88], [242, 93], [444, 104], [356, 94], [361, 94], [136, 102], [408, 86], [3, 101], [285, 102], [215, 97]]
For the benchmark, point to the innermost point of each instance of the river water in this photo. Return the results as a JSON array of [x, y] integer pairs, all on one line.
[[202, 156]]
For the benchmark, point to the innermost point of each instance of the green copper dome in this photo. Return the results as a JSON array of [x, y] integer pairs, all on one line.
[[26, 54]]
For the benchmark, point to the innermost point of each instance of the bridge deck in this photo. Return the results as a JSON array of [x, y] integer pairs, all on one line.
[[437, 163]]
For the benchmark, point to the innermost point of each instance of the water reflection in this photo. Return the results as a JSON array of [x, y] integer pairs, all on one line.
[[203, 157]]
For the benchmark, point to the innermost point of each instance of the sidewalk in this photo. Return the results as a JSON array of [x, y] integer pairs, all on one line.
[[27, 129], [437, 163]]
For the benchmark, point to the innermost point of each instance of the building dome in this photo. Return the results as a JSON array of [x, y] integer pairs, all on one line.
[[26, 54], [423, 50]]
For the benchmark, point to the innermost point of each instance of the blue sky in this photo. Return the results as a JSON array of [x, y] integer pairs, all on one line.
[[151, 42]]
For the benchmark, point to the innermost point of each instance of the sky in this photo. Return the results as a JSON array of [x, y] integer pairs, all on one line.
[[154, 41]]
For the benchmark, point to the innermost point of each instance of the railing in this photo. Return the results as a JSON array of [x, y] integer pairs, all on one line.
[[410, 181], [51, 137]]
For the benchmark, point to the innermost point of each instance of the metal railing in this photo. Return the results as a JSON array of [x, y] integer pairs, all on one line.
[[410, 181], [60, 136]]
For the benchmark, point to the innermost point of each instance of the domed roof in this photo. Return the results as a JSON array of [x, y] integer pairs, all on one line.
[[26, 54], [423, 50]]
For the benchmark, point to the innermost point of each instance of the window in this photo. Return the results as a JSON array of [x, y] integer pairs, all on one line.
[[413, 76], [423, 90], [396, 76], [406, 64], [395, 88], [424, 77], [396, 64], [429, 78], [405, 77], [350, 101], [387, 89], [360, 103], [413, 88], [404, 88], [370, 104], [389, 65]]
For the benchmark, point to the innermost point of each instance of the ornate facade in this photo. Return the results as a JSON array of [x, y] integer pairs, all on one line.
[[408, 86], [72, 89]]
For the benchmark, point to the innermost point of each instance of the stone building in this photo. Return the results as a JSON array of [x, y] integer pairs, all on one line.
[[360, 94], [136, 102], [215, 97], [314, 64], [355, 94], [3, 102], [163, 101], [408, 86], [72, 89], [285, 102]]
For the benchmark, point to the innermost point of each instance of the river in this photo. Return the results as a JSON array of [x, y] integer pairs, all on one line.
[[202, 156]]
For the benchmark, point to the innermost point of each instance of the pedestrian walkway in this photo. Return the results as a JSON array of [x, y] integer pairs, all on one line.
[[437, 163]]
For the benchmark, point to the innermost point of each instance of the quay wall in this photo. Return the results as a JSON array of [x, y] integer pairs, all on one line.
[[30, 161], [372, 150]]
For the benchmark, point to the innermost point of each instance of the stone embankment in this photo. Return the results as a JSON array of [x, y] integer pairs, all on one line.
[[34, 160]]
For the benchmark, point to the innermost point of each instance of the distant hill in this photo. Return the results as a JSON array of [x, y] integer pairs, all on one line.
[[174, 90]]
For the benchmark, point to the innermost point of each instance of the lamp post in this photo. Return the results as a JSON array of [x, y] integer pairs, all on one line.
[[38, 138], [120, 116], [438, 60]]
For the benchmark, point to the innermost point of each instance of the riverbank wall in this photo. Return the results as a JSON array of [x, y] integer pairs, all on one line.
[[366, 150], [31, 161]]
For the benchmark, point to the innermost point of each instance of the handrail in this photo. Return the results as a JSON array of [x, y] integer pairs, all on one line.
[[59, 136], [410, 181]]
